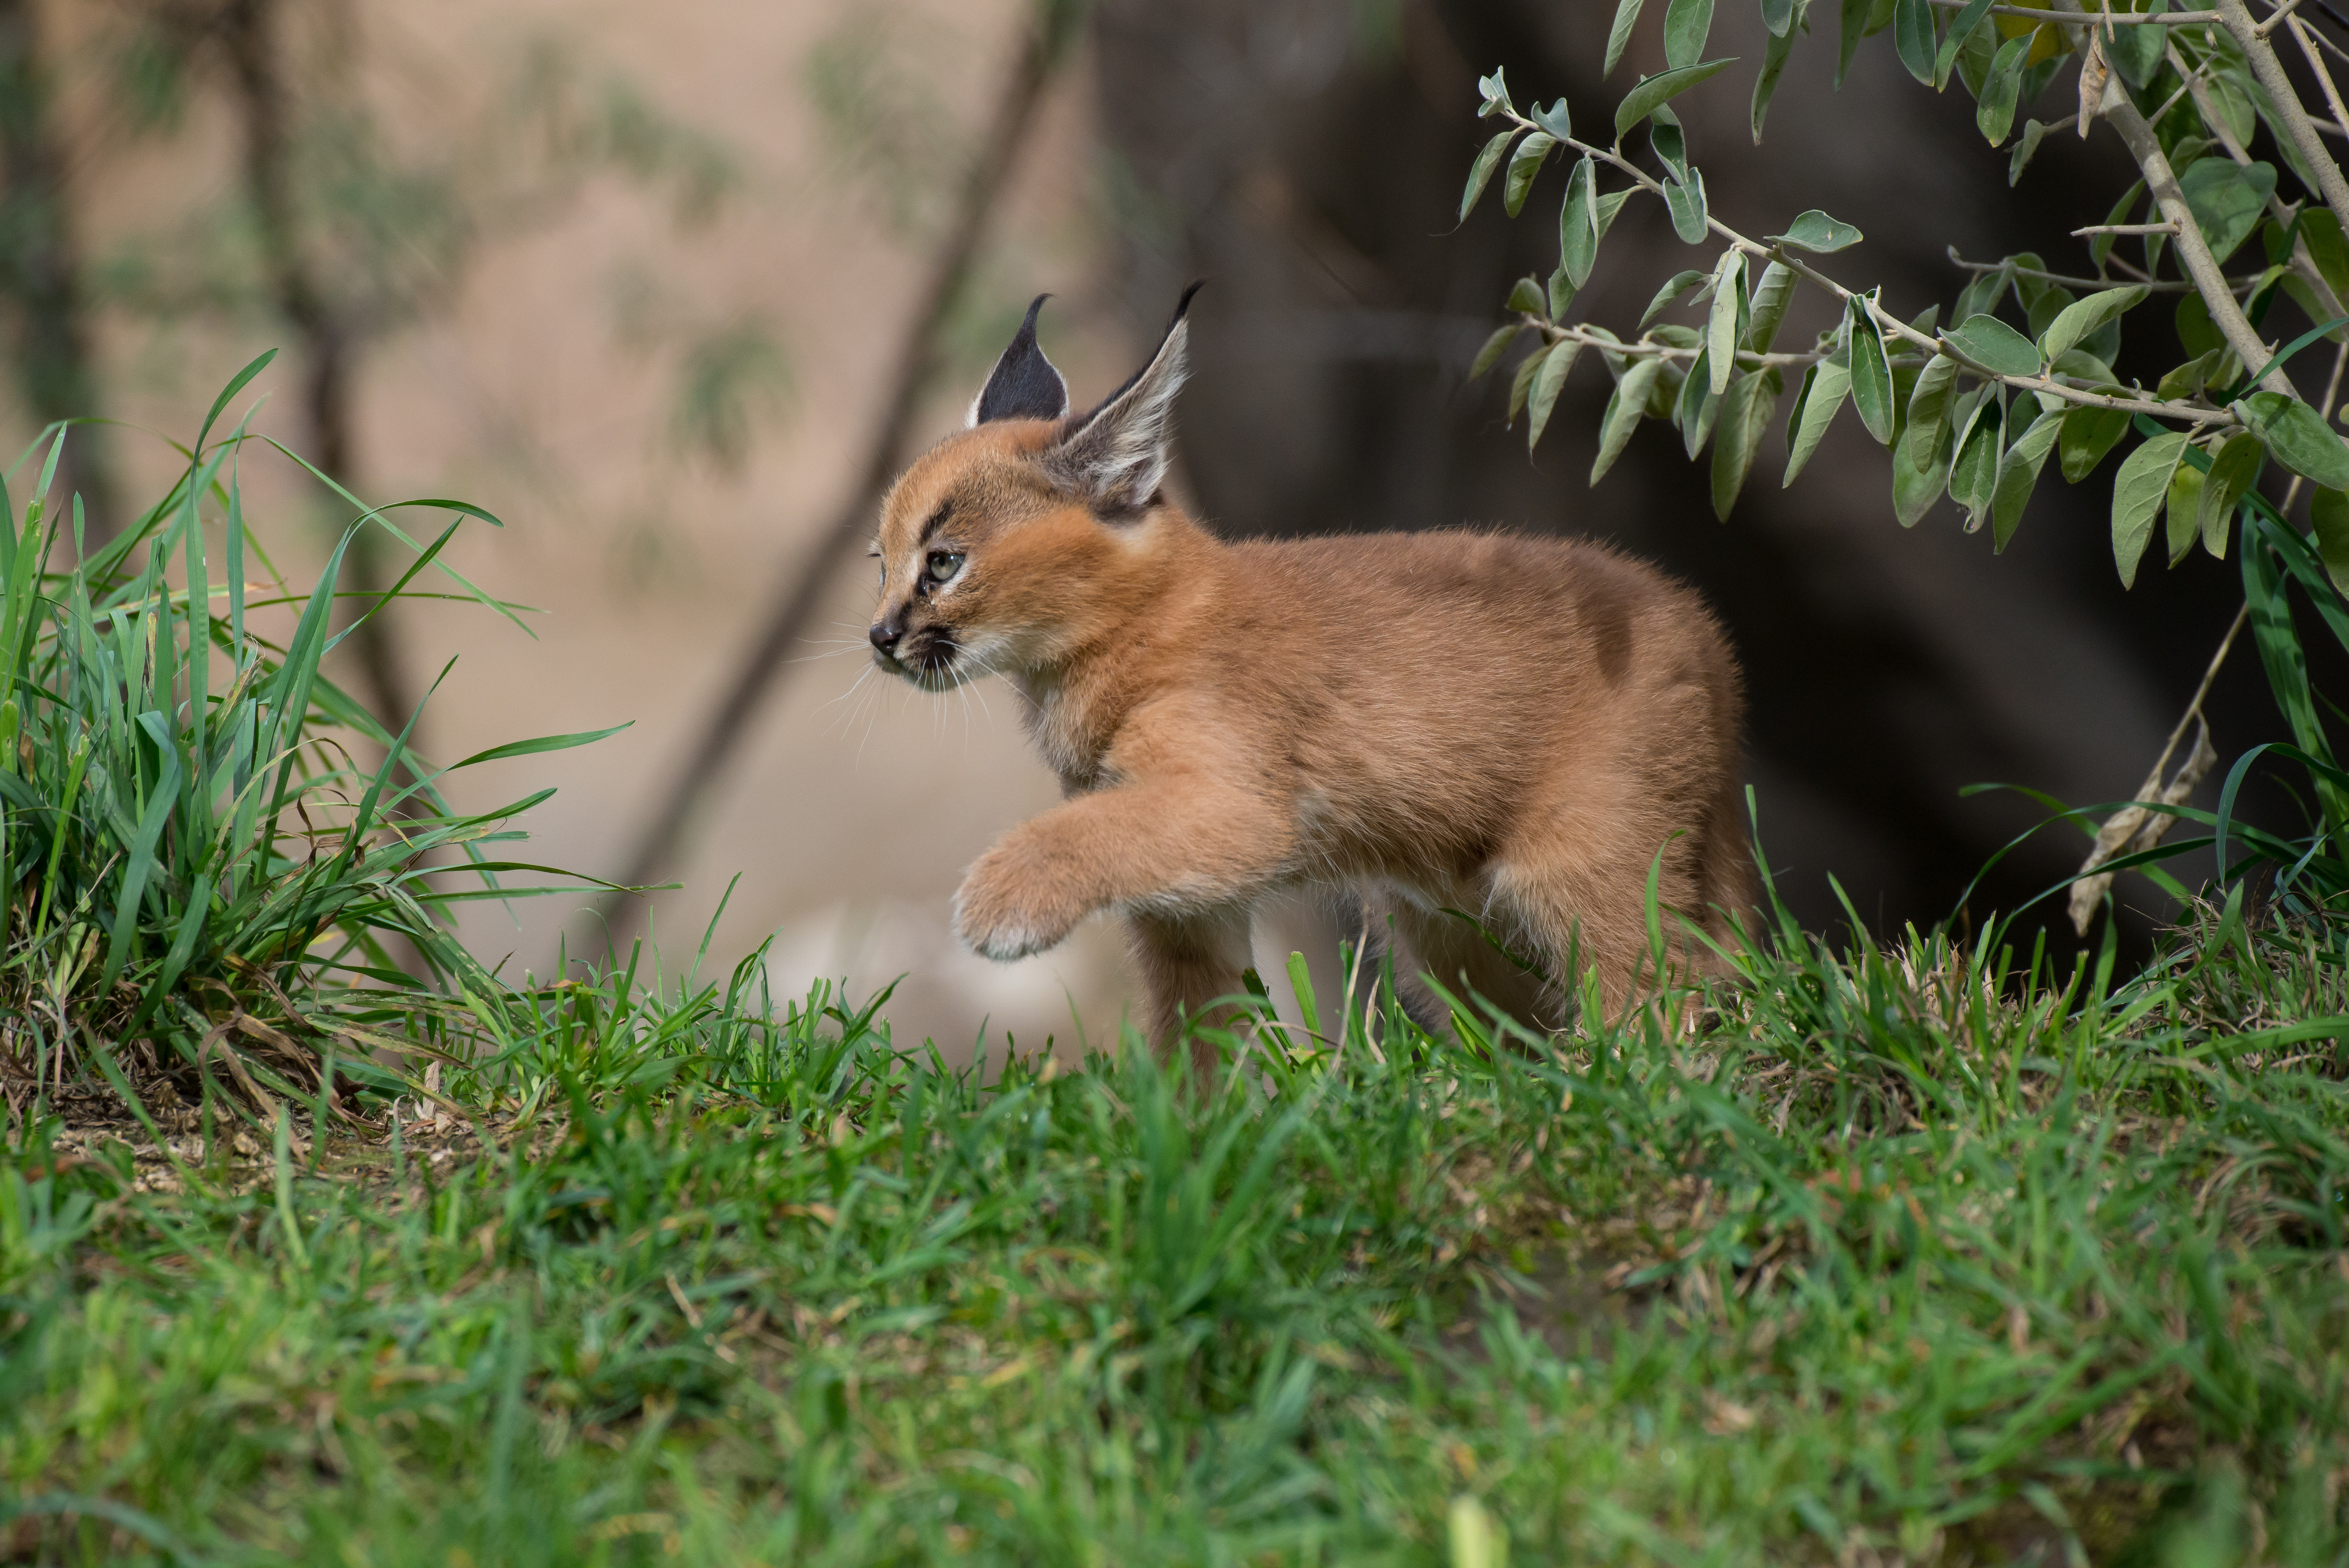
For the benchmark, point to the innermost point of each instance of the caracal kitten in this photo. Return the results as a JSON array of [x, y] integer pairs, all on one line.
[[1508, 727]]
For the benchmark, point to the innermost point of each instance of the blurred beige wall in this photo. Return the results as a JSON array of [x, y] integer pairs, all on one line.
[[853, 809]]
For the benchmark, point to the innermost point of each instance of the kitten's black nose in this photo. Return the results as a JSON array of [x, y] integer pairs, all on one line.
[[885, 634]]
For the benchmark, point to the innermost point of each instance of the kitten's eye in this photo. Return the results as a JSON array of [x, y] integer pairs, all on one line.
[[943, 564]]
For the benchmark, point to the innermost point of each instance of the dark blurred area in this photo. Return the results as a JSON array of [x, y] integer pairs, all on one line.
[[1310, 166]]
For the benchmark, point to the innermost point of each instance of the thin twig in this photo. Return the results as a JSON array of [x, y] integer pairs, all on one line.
[[2300, 33], [2162, 285], [2113, 18]]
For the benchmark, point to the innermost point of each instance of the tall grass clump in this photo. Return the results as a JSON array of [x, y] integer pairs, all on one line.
[[214, 861]]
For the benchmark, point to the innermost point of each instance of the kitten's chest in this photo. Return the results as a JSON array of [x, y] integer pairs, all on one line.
[[1066, 735]]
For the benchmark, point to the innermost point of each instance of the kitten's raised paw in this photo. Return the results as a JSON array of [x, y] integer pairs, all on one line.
[[998, 914]]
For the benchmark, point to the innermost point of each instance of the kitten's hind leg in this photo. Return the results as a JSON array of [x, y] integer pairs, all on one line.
[[1188, 963], [1459, 955]]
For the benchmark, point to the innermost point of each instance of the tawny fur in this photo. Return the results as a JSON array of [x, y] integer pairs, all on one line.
[[1505, 726]]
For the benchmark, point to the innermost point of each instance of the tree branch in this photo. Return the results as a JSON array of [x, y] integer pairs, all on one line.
[[2193, 250], [2265, 65]]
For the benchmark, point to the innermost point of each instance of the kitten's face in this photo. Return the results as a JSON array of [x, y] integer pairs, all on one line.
[[973, 541], [1020, 540]]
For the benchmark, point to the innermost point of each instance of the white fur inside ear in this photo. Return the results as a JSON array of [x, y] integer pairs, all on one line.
[[1119, 457]]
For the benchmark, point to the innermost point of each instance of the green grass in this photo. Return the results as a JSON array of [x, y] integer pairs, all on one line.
[[1868, 1254], [1896, 1255]]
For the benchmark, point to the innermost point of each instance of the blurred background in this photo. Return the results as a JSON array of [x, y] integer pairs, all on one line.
[[667, 288]]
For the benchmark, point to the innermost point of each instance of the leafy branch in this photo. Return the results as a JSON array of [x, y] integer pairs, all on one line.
[[1974, 410]]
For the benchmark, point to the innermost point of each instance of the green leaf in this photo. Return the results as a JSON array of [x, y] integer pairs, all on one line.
[[2138, 492], [543, 744], [1577, 224], [1855, 27], [1973, 471], [2137, 52], [1662, 87], [2100, 249], [1912, 36], [1778, 17], [1495, 90], [1547, 382], [1681, 283], [1626, 16], [1528, 297], [1610, 205], [1914, 490], [2083, 367], [1686, 205], [2018, 475], [1670, 143], [1524, 164], [1766, 84], [1555, 119], [2185, 502], [1521, 383], [1686, 24], [1871, 371], [1772, 294], [1994, 110], [1745, 412], [1495, 346], [2329, 510], [1817, 232], [1825, 387], [1926, 438], [1698, 405], [237, 384], [2234, 469], [2296, 436], [1561, 294], [2033, 131], [1724, 324], [2321, 230], [2077, 320], [2227, 200], [1995, 346], [1480, 174], [1954, 39], [1622, 416], [2196, 333], [139, 865], [2188, 380], [2088, 434]]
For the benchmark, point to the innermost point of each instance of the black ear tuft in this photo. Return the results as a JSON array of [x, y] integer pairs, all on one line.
[[1024, 384], [1116, 455]]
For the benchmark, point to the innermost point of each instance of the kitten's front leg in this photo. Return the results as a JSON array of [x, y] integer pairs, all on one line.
[[1184, 845]]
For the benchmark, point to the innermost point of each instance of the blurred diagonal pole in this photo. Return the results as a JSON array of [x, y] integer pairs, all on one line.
[[800, 593], [249, 35], [40, 267]]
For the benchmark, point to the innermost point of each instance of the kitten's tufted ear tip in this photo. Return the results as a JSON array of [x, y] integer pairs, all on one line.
[[1024, 383], [1116, 455]]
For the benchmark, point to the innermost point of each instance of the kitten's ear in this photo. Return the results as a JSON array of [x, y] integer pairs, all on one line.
[[1024, 384], [1115, 456]]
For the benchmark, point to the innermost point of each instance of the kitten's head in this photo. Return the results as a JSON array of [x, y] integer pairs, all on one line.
[[1006, 547]]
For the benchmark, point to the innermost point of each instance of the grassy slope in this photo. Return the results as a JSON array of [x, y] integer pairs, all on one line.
[[1879, 1263]]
